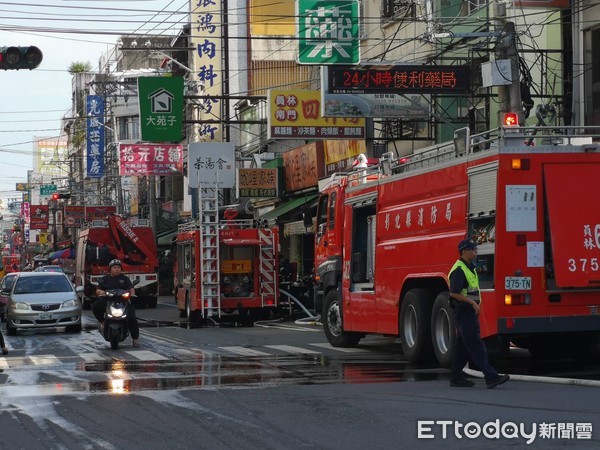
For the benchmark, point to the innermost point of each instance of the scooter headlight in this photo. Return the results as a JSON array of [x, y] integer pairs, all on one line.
[[116, 312]]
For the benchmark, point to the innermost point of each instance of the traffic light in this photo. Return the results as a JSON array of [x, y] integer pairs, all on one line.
[[57, 196], [510, 119], [15, 58]]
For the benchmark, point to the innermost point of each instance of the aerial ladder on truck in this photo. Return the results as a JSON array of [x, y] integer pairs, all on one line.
[[225, 267], [210, 284]]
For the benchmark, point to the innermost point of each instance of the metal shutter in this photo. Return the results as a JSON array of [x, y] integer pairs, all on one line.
[[482, 188]]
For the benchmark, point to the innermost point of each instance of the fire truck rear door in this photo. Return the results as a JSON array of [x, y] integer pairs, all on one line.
[[572, 201]]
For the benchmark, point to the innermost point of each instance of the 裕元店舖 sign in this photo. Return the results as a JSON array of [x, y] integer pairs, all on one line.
[[150, 159]]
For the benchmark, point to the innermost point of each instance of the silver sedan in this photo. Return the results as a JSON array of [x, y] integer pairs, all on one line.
[[42, 300]]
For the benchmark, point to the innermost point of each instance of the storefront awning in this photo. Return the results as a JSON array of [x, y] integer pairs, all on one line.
[[288, 206]]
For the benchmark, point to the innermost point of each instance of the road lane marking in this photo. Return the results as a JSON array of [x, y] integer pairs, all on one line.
[[295, 350], [91, 357], [160, 338], [339, 349], [45, 360], [146, 355], [244, 351]]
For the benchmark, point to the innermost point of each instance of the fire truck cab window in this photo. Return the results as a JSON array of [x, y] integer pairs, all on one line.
[[332, 210], [322, 215], [363, 249], [187, 262]]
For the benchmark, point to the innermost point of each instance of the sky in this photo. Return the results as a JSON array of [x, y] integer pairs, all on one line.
[[32, 102]]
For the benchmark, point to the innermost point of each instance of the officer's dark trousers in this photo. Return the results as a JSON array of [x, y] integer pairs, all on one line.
[[99, 308], [469, 344]]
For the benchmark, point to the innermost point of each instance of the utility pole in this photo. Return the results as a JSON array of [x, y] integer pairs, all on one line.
[[509, 96]]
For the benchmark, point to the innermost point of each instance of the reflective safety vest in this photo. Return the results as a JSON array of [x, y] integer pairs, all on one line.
[[472, 291]]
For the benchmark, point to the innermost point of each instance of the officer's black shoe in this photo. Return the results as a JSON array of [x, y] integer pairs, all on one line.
[[461, 382], [497, 381]]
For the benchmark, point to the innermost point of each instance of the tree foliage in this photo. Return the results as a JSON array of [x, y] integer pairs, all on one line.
[[79, 67]]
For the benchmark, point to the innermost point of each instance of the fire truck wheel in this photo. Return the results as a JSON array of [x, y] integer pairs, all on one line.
[[415, 325], [332, 323], [442, 330]]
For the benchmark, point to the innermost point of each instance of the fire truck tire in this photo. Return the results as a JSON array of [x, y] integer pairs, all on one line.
[[442, 330], [332, 323], [415, 325]]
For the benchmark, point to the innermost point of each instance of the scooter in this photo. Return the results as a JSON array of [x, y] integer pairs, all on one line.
[[116, 328]]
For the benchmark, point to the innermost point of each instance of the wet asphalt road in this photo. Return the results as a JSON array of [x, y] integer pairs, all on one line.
[[275, 385]]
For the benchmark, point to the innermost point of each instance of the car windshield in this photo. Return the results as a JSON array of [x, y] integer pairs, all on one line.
[[8, 283], [38, 285]]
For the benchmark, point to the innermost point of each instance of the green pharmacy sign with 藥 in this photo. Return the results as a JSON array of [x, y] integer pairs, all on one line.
[[328, 31], [161, 108]]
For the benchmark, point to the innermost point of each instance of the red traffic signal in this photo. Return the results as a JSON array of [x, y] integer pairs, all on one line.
[[510, 119], [57, 196], [15, 58]]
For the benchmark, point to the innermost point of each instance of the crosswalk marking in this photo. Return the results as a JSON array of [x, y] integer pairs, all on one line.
[[90, 357], [45, 360], [244, 351], [146, 355], [291, 349], [3, 363], [339, 349]]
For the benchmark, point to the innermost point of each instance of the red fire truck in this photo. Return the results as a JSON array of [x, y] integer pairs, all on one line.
[[226, 268], [131, 241], [387, 237]]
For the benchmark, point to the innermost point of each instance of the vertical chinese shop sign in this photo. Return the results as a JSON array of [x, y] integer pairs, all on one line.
[[94, 109], [207, 39]]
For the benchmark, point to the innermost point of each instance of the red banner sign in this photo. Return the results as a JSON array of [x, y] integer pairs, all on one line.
[[74, 216], [98, 212], [150, 159], [39, 217]]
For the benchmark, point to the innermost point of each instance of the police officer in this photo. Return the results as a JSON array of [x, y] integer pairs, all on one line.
[[116, 280], [465, 300]]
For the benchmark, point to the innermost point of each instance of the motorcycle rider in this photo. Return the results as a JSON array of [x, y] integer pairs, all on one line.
[[116, 280]]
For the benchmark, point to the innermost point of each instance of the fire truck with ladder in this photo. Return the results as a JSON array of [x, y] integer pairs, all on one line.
[[227, 267], [129, 240], [386, 238]]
